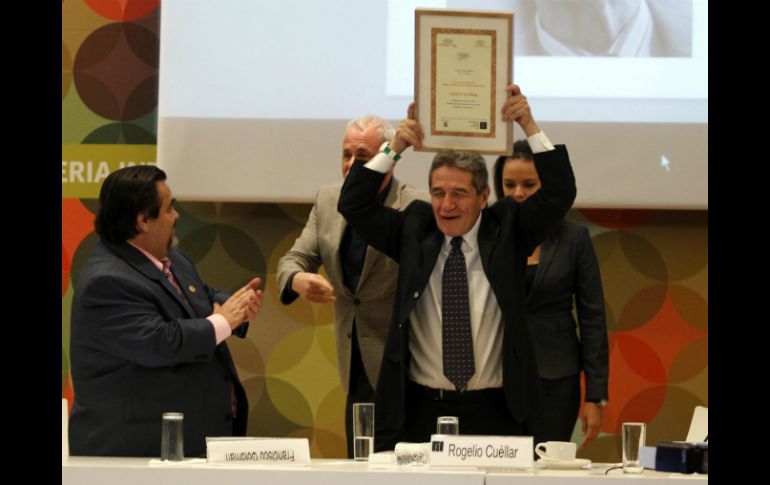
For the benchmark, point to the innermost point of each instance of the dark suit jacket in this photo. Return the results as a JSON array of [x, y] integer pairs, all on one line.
[[567, 267], [508, 233], [138, 350]]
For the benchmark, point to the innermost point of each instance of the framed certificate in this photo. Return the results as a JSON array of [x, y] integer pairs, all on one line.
[[463, 61]]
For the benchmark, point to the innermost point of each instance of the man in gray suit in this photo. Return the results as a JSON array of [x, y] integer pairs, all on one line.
[[362, 280]]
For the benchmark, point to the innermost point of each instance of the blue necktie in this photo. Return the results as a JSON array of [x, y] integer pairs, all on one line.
[[457, 341]]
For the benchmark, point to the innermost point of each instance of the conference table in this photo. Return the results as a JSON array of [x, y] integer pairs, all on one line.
[[81, 470]]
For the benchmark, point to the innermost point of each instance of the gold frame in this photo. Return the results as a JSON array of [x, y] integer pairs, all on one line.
[[498, 26]]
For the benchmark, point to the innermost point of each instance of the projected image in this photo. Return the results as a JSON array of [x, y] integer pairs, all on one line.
[[250, 88], [646, 50], [611, 28]]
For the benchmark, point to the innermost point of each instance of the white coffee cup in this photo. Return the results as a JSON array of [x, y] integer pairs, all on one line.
[[556, 450]]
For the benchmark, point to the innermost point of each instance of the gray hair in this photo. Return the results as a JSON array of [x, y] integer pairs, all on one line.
[[469, 161], [385, 129]]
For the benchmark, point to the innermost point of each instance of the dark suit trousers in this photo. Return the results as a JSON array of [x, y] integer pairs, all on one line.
[[360, 390], [558, 410], [479, 412]]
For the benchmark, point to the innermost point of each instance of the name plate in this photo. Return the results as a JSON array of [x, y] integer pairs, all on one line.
[[258, 451], [482, 451]]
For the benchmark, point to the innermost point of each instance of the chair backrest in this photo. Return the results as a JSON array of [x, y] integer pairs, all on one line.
[[699, 426]]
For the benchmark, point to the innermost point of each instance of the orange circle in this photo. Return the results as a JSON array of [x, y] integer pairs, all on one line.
[[123, 10]]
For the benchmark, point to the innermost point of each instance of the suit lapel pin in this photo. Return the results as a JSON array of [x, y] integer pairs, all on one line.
[[191, 289]]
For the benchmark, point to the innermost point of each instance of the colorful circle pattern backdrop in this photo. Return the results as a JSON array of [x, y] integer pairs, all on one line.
[[110, 71], [653, 263]]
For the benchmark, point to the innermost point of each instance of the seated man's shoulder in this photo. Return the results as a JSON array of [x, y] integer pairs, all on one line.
[[108, 277], [103, 263]]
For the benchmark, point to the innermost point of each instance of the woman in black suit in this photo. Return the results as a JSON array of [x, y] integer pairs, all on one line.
[[564, 266]]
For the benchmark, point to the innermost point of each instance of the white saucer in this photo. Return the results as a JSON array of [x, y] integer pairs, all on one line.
[[575, 464]]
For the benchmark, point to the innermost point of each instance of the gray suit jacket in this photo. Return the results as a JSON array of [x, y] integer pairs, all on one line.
[[372, 303], [138, 349], [568, 266]]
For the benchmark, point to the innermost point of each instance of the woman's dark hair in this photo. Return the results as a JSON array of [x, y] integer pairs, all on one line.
[[125, 194], [521, 150]]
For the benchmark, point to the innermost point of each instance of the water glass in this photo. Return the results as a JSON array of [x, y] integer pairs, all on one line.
[[172, 437], [448, 425], [633, 441], [363, 430]]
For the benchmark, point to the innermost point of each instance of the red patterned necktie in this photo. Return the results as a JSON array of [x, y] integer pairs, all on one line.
[[172, 279]]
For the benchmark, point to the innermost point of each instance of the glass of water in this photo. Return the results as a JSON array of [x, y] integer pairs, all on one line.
[[633, 439], [363, 430], [448, 425], [172, 437]]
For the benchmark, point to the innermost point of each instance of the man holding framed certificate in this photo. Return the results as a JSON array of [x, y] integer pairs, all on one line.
[[474, 360]]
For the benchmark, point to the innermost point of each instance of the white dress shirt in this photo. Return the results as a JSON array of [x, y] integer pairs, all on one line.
[[425, 329]]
